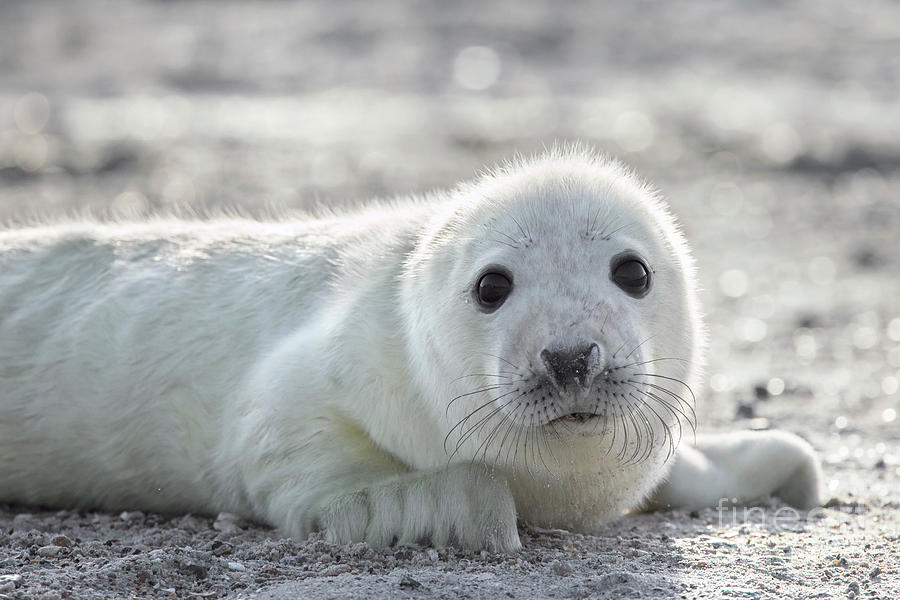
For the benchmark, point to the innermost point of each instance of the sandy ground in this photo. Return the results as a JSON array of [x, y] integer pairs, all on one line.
[[773, 128]]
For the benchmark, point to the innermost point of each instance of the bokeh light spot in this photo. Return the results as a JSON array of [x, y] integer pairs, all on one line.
[[130, 203], [821, 270], [720, 382], [476, 68], [780, 143], [893, 329], [865, 337], [749, 329], [31, 113], [30, 152], [726, 199], [733, 283], [633, 131]]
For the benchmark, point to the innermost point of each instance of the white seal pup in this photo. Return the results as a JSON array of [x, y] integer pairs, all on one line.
[[423, 371]]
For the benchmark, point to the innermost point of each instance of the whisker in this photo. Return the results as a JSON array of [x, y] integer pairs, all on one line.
[[647, 362], [692, 420], [675, 379], [462, 422], [487, 441], [490, 388], [665, 405], [640, 436], [513, 365], [509, 428], [651, 434], [669, 436], [464, 434], [481, 375], [469, 432], [633, 350]]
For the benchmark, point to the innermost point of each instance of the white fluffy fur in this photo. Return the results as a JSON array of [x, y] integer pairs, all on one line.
[[301, 372]]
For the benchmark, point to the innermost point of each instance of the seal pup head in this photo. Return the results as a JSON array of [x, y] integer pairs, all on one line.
[[552, 318]]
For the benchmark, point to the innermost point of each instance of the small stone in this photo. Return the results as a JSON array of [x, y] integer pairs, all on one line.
[[132, 515], [49, 551], [866, 258], [14, 579], [745, 411], [26, 522], [198, 571], [335, 570], [761, 392], [236, 566], [61, 541], [228, 523], [874, 573], [561, 568], [759, 424], [358, 549], [220, 548], [408, 583]]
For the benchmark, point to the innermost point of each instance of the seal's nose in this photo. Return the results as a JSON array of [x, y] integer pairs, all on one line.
[[572, 365]]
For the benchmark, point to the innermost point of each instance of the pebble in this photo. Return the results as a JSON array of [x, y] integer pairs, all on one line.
[[561, 568], [220, 548], [236, 566], [408, 583], [745, 411], [132, 515], [15, 579], [228, 523], [49, 551], [26, 522], [61, 541], [335, 570]]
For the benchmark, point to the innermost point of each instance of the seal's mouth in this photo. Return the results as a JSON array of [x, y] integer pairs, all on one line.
[[576, 417]]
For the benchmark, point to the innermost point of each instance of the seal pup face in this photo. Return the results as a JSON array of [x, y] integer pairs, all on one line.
[[556, 311]]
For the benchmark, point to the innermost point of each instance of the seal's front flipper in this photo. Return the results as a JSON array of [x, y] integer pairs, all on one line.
[[461, 505], [337, 480], [743, 465]]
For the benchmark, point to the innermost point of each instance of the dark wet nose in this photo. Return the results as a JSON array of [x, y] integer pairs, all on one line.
[[568, 366]]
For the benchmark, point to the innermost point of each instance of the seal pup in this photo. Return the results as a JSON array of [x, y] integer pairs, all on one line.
[[428, 370]]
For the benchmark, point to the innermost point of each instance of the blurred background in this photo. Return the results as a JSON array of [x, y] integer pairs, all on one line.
[[773, 128]]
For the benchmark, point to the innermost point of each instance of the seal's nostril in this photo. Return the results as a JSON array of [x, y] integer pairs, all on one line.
[[572, 365]]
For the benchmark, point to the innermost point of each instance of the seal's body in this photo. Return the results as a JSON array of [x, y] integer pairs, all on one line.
[[430, 369]]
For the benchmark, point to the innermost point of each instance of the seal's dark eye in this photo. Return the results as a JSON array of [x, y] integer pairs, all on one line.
[[632, 276], [492, 289]]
